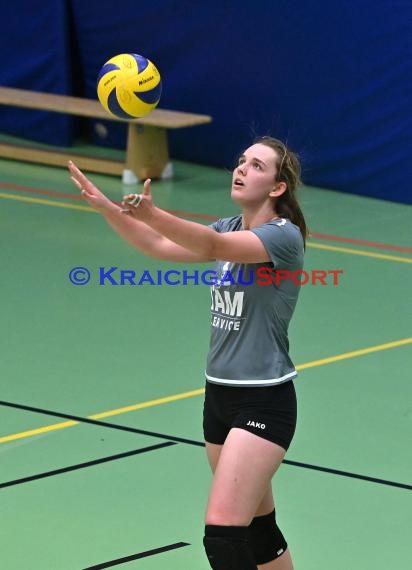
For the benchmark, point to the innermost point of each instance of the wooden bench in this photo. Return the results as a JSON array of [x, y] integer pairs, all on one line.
[[147, 153]]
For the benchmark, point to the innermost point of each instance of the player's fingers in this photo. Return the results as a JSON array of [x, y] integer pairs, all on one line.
[[132, 200], [146, 187], [76, 182], [78, 174], [83, 190], [126, 201], [80, 187], [73, 169]]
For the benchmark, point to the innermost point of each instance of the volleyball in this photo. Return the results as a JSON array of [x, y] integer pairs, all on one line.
[[129, 86]]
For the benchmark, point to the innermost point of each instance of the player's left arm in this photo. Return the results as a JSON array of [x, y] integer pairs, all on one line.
[[241, 247]]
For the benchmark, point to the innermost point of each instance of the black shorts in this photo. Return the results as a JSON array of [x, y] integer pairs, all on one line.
[[267, 411]]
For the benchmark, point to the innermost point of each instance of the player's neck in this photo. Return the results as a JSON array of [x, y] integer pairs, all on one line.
[[252, 219]]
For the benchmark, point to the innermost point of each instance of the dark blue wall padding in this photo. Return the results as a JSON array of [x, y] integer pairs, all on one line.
[[333, 78], [35, 55]]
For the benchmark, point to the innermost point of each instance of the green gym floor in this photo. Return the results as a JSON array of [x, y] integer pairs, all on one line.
[[102, 461]]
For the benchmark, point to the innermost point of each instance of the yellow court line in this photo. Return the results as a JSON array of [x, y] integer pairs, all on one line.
[[148, 404], [354, 353], [200, 391], [311, 244], [46, 202], [102, 415], [316, 245]]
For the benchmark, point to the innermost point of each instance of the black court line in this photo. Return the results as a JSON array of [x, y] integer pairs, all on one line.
[[137, 556], [83, 420], [201, 444], [84, 465], [348, 474]]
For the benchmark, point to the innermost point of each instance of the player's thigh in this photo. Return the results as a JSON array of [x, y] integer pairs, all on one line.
[[213, 451], [266, 505], [242, 478]]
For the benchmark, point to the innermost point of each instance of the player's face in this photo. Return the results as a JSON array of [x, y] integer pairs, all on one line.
[[254, 176]]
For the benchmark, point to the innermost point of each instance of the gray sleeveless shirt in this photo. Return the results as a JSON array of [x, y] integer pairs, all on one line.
[[251, 309]]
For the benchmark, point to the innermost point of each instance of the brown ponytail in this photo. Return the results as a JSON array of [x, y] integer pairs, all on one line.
[[288, 171]]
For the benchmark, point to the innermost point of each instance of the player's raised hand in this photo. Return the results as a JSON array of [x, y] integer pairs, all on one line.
[[139, 206], [90, 193]]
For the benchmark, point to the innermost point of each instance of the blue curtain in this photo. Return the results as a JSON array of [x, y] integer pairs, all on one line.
[[332, 78], [35, 48]]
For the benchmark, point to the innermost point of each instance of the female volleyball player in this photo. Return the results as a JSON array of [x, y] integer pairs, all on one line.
[[250, 401]]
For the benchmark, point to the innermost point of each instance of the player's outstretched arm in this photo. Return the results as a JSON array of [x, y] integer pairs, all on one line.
[[241, 246], [137, 233]]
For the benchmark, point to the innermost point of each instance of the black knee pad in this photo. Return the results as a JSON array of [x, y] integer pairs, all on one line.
[[227, 548], [266, 539]]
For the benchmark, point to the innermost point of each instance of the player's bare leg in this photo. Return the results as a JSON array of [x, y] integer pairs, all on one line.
[[241, 487]]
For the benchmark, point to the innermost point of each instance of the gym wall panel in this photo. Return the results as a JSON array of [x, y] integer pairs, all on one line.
[[35, 49], [332, 78]]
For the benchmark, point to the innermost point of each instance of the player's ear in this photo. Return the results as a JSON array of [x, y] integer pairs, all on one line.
[[279, 189]]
